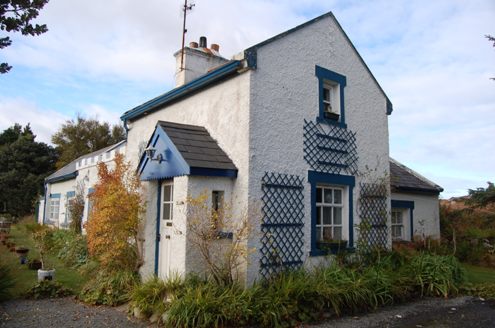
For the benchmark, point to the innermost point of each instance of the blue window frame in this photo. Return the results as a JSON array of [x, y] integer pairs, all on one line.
[[332, 182], [331, 97]]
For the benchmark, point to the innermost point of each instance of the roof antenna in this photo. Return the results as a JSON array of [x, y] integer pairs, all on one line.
[[185, 8]]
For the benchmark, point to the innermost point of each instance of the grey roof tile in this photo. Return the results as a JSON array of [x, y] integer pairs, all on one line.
[[402, 176]]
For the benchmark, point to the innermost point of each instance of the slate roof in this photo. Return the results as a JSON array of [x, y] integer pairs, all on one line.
[[65, 172], [197, 147], [405, 179]]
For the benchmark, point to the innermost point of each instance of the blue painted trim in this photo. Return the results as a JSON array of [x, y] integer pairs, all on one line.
[[44, 204], [315, 178], [71, 194], [54, 196], [323, 73], [158, 208], [182, 91], [42, 198], [63, 177], [415, 190], [405, 204], [213, 172]]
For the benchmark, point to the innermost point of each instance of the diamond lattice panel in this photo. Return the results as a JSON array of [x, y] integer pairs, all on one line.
[[330, 152], [283, 214], [373, 212]]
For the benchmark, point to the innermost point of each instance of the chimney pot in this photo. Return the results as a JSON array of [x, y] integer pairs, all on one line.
[[193, 44], [215, 47], [202, 42]]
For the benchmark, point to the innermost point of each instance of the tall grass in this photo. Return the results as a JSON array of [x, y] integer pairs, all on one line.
[[9, 275], [299, 295]]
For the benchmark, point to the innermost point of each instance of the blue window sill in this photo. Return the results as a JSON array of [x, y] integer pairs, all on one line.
[[327, 121], [223, 235], [317, 252]]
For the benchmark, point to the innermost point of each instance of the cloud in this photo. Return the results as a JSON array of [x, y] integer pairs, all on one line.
[[24, 112]]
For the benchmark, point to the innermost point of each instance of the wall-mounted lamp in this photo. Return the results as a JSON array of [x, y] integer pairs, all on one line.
[[150, 153]]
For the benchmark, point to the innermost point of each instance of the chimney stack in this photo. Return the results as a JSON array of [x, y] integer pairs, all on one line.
[[193, 44], [215, 47], [202, 42]]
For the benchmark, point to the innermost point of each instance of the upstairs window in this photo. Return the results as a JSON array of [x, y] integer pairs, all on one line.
[[331, 97]]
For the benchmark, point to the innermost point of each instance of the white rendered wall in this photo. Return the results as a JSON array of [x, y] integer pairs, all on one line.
[[223, 109], [426, 214], [284, 92], [196, 64], [58, 188]]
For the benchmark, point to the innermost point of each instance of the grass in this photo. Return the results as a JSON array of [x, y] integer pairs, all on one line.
[[479, 275], [69, 277]]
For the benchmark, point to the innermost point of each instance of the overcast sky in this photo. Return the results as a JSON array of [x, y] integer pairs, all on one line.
[[430, 57]]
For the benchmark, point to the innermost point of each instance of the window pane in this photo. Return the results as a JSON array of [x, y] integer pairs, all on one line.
[[318, 215], [337, 215], [166, 211], [328, 196], [318, 233], [394, 217], [326, 94], [399, 217], [319, 195], [337, 233], [337, 196], [327, 215], [327, 232], [167, 193]]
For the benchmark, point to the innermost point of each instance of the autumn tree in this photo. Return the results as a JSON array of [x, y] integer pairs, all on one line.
[[15, 16], [114, 219], [220, 235], [481, 197], [84, 135]]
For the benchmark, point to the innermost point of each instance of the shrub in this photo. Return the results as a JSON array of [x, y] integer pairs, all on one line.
[[8, 273], [47, 289], [109, 288], [71, 248]]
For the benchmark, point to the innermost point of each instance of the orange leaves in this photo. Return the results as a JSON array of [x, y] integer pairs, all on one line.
[[114, 219]]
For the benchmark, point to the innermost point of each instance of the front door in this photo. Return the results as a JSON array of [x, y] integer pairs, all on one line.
[[166, 222]]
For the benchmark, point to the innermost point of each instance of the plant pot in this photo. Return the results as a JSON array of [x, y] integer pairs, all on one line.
[[46, 275], [22, 252], [23, 260], [34, 265], [12, 249], [322, 245]]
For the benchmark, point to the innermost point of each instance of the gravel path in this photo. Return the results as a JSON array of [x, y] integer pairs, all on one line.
[[461, 312]]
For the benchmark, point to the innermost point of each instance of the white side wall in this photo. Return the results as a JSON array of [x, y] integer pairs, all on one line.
[[426, 214], [223, 109], [284, 92], [58, 188]]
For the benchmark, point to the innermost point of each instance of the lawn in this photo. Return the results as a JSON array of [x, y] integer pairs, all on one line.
[[479, 275], [69, 277]]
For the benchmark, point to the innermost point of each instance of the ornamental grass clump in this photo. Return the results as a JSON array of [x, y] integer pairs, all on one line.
[[9, 273]]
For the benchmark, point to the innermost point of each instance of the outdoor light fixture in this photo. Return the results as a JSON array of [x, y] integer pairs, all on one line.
[[150, 153]]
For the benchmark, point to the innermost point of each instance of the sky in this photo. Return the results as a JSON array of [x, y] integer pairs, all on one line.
[[430, 57]]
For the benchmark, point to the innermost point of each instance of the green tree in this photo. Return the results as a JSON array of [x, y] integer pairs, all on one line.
[[15, 16], [82, 136], [481, 196], [24, 164], [13, 133]]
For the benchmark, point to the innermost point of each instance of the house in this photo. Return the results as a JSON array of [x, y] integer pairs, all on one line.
[[297, 121], [415, 205], [61, 186]]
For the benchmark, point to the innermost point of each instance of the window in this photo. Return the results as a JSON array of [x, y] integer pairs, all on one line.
[[108, 155], [402, 220], [168, 202], [54, 206], [216, 207], [329, 207], [331, 92], [397, 225]]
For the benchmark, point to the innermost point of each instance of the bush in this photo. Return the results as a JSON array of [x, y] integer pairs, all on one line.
[[297, 296], [8, 273], [47, 289], [71, 248], [109, 288]]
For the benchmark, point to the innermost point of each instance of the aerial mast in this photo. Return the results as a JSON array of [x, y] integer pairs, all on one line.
[[185, 9]]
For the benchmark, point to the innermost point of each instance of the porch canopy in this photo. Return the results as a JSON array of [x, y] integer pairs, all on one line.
[[186, 150]]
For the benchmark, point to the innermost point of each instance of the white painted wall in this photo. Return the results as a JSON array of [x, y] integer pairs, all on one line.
[[284, 92], [426, 214], [223, 109], [58, 188], [196, 63]]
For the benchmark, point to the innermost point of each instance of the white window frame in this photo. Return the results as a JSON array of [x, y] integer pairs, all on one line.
[[406, 224], [54, 208], [338, 230], [167, 203], [331, 90]]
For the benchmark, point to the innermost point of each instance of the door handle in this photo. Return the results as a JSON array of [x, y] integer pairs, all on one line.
[[167, 236]]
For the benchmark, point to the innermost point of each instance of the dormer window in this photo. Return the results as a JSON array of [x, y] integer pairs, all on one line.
[[331, 93]]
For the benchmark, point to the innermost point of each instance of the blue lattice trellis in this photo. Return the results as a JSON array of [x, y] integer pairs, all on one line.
[[330, 152], [283, 213], [373, 214]]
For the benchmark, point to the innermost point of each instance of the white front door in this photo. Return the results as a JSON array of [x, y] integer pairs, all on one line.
[[166, 222]]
